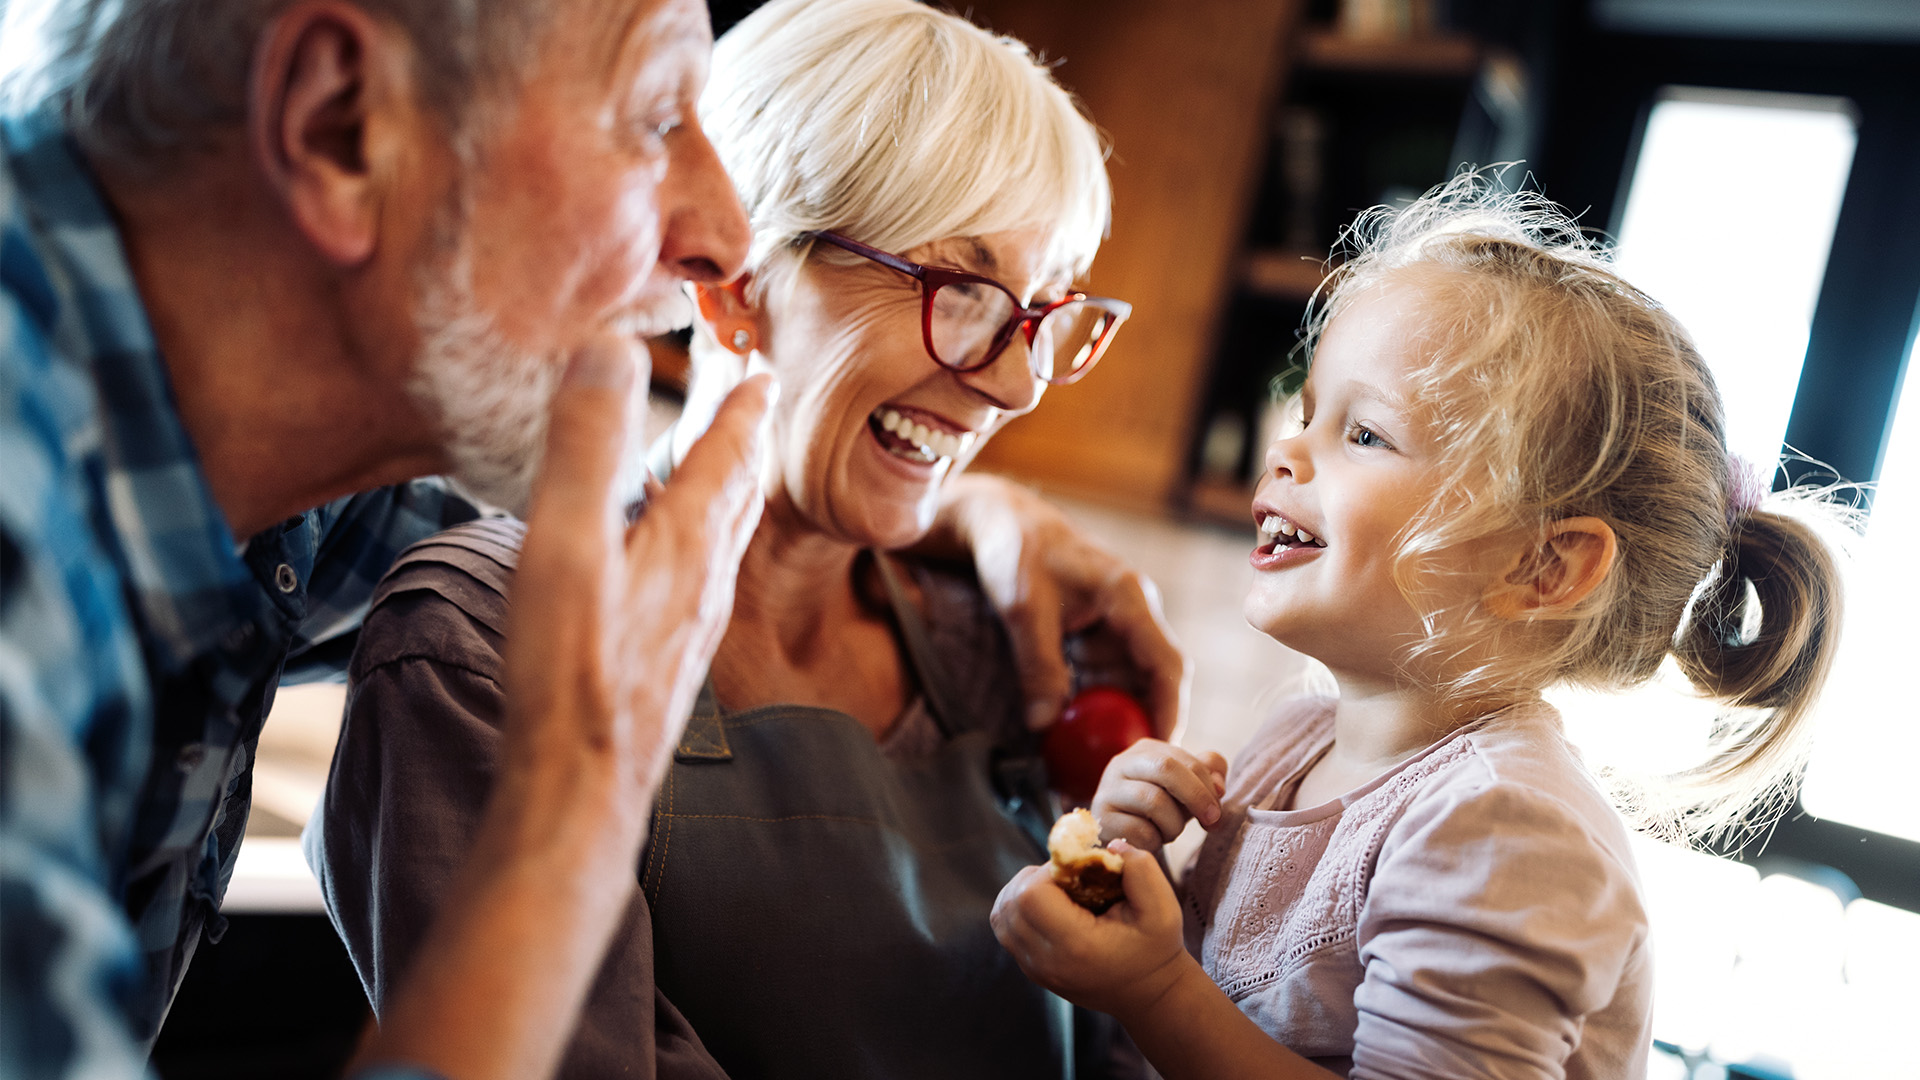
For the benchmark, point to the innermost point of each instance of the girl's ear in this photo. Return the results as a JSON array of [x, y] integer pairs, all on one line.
[[729, 314], [1557, 573]]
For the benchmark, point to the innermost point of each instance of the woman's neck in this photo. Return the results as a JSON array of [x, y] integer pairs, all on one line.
[[803, 634], [793, 578]]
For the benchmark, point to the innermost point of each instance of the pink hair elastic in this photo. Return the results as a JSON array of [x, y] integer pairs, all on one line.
[[1746, 486]]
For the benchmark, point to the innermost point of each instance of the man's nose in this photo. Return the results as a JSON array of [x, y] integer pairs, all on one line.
[[706, 233]]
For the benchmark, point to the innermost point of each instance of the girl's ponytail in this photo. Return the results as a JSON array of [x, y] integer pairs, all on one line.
[[1761, 637]]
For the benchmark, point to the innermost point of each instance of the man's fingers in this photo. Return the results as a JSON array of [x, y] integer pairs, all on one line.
[[727, 455], [586, 435]]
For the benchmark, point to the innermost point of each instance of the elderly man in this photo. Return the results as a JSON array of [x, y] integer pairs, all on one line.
[[259, 259]]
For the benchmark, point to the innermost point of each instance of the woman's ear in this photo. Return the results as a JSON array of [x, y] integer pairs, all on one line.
[[729, 314], [1555, 574]]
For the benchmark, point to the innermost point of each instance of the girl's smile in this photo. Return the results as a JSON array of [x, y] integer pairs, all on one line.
[[1336, 498]]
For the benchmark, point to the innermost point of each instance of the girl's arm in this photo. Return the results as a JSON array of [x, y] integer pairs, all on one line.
[[1130, 963]]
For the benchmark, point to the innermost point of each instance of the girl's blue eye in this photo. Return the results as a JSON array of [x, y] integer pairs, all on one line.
[[1370, 438]]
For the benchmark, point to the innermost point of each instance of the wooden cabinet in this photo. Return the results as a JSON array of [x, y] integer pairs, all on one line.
[[1184, 93]]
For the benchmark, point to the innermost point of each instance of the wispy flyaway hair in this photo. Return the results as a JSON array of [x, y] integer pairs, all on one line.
[[1556, 390]]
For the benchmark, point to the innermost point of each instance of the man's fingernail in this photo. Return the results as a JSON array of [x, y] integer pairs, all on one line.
[[1210, 815], [600, 365]]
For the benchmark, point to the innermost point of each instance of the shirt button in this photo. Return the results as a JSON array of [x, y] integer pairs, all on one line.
[[285, 578], [190, 757]]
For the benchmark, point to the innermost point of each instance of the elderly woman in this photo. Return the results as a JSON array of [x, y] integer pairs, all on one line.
[[857, 780]]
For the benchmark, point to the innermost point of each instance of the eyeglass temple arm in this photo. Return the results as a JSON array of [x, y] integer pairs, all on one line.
[[881, 257]]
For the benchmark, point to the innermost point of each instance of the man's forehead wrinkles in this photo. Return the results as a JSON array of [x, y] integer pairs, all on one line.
[[652, 31]]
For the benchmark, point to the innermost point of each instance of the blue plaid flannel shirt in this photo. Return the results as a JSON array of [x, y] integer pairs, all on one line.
[[140, 646]]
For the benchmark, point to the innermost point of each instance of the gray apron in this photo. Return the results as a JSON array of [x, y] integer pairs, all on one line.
[[820, 907]]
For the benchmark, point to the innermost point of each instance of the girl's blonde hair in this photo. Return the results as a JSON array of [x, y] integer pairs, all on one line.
[[1556, 390]]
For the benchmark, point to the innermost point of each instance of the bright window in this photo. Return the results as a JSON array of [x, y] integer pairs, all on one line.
[[1728, 221], [1869, 724]]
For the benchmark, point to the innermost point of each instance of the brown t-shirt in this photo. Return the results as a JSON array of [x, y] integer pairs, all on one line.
[[405, 797]]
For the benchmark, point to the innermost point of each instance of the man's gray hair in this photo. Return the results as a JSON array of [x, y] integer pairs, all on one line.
[[137, 79]]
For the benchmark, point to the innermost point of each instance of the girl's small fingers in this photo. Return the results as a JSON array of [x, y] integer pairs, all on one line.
[[1149, 892], [1183, 778], [1148, 803], [1217, 765], [1135, 828]]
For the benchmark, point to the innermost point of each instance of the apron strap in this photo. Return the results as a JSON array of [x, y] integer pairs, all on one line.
[[949, 715], [705, 737]]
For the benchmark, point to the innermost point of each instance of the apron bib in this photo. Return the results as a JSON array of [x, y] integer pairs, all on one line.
[[820, 908]]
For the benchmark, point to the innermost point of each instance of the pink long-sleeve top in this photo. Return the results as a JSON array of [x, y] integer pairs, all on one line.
[[1472, 913]]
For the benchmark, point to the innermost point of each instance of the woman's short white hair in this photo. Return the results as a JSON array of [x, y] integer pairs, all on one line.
[[899, 124]]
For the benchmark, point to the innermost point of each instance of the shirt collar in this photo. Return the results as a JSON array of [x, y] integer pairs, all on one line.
[[183, 575]]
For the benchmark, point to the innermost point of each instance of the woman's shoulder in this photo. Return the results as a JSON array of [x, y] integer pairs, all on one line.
[[445, 599]]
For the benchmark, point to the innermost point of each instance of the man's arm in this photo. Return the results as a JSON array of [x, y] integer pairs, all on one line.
[[611, 632], [73, 748]]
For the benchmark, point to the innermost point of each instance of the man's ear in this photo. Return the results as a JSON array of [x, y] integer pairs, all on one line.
[[324, 72], [728, 313], [1559, 570]]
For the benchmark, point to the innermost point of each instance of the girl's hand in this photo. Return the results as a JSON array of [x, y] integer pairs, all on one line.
[[1150, 790], [1121, 962]]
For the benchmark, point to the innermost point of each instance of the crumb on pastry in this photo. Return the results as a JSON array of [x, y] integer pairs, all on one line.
[[1081, 866]]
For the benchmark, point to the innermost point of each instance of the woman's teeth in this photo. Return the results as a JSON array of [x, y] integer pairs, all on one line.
[[931, 444], [1273, 526]]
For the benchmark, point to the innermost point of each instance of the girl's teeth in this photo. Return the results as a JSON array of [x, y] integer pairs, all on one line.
[[890, 421], [1286, 526], [1270, 524], [1304, 536]]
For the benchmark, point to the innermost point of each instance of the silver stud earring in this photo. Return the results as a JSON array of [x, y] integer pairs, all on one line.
[[742, 339]]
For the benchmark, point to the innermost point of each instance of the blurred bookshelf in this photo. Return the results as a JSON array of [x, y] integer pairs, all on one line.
[[1381, 100]]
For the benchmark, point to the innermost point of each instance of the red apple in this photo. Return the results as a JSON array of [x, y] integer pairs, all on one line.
[[1098, 723]]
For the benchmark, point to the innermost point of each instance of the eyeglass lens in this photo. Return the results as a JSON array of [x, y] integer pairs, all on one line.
[[971, 321]]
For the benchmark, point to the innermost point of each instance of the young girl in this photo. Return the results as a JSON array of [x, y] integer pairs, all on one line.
[[1512, 473]]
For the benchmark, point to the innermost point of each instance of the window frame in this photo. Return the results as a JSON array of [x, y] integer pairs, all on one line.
[[1863, 323]]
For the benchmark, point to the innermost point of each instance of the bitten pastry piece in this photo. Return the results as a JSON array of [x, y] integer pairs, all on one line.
[[1087, 871]]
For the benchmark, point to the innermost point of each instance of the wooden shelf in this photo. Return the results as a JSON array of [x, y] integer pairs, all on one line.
[[1283, 274], [1438, 56]]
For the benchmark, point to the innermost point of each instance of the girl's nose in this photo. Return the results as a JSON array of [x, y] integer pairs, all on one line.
[[1287, 456], [1008, 381]]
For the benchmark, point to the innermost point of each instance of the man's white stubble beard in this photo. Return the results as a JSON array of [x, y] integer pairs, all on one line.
[[491, 399]]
